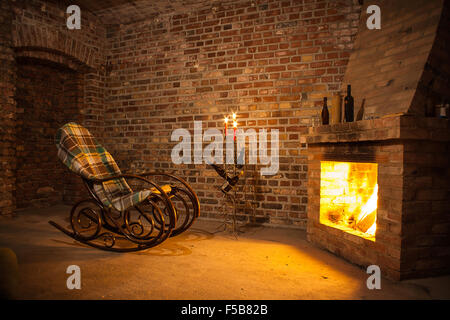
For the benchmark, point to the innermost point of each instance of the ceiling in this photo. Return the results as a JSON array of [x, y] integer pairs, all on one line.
[[128, 11]]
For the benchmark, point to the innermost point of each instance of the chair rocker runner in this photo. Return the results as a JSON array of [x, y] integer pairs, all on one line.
[[116, 218]]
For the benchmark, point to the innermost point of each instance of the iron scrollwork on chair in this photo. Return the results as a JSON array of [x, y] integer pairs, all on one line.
[[116, 218]]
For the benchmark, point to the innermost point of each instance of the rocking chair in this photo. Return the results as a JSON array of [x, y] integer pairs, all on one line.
[[116, 218]]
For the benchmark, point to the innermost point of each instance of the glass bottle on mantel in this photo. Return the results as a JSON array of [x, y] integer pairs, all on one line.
[[325, 114], [349, 105], [335, 111]]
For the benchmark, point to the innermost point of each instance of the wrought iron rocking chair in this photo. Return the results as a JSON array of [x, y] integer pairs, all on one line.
[[116, 218]]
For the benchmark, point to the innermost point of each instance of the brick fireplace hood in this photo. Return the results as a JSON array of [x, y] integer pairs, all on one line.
[[401, 67], [399, 71]]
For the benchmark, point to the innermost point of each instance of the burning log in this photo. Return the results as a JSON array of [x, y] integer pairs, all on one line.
[[367, 218], [366, 222]]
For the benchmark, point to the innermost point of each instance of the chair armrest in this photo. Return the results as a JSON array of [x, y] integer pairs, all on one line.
[[195, 200], [132, 176]]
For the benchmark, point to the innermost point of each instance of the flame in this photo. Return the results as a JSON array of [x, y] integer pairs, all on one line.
[[372, 229], [368, 211], [235, 124], [226, 120], [349, 197]]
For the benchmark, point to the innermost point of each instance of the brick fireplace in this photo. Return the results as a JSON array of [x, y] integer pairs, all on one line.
[[410, 224]]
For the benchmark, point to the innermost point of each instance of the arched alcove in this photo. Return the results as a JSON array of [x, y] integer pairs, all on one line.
[[49, 93]]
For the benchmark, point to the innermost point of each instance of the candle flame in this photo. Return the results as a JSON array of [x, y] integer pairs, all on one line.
[[234, 116], [235, 124], [226, 119]]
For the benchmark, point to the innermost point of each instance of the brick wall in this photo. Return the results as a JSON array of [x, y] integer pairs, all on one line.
[[272, 62], [7, 114], [37, 30], [46, 97], [41, 26]]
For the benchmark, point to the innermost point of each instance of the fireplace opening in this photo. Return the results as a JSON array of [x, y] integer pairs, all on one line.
[[349, 197]]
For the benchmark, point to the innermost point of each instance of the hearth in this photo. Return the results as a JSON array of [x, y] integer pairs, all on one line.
[[378, 193]]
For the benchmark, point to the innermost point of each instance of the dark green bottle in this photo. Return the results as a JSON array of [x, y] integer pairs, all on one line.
[[349, 105], [325, 114]]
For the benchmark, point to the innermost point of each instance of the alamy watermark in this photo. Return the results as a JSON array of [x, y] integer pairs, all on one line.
[[74, 280], [374, 281], [374, 20], [234, 152], [74, 19]]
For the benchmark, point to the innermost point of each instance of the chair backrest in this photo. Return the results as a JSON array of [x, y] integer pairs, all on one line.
[[83, 155]]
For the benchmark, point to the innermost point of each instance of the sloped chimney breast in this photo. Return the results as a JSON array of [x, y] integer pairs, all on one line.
[[388, 63]]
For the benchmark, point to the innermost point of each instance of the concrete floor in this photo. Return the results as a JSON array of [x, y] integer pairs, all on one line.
[[203, 263]]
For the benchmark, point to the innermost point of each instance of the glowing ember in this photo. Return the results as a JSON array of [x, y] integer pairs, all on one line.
[[349, 197]]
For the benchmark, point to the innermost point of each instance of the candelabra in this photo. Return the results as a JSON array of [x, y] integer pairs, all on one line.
[[231, 173], [229, 190]]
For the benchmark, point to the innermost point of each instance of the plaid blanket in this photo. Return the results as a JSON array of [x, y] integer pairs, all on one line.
[[81, 153]]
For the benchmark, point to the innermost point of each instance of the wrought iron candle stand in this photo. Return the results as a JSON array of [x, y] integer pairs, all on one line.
[[230, 223], [230, 220], [230, 187]]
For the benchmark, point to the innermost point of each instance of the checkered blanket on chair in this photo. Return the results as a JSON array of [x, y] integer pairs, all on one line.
[[81, 153]]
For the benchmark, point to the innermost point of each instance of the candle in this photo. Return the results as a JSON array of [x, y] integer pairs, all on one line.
[[234, 126], [226, 125]]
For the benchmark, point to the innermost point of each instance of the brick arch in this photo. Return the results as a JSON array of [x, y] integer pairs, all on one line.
[[55, 57], [52, 44]]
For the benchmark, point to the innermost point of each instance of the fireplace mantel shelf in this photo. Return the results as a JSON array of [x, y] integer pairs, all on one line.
[[407, 127]]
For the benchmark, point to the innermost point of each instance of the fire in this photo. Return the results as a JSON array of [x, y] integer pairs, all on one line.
[[349, 197], [368, 215]]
